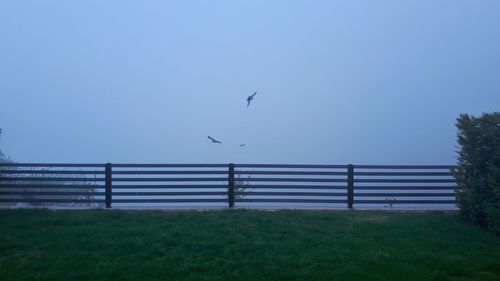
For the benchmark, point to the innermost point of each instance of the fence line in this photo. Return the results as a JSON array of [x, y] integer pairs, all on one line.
[[226, 185]]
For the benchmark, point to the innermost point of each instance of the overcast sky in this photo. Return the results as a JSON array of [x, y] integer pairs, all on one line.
[[338, 81]]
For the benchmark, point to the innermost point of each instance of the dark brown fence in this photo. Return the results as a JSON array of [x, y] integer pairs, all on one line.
[[226, 185], [403, 184], [292, 184]]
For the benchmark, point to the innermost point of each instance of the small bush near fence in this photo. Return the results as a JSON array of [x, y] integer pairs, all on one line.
[[478, 174]]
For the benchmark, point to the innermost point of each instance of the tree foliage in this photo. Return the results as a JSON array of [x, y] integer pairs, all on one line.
[[478, 173]]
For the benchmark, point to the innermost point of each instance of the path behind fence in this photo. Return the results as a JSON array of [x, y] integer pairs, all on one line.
[[227, 185]]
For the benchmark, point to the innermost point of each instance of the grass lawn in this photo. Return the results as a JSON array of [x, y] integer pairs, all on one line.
[[243, 245]]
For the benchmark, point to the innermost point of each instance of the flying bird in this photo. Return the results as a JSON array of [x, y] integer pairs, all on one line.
[[242, 145], [213, 140], [250, 99]]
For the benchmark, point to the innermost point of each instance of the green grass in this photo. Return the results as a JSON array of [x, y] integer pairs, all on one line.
[[243, 245]]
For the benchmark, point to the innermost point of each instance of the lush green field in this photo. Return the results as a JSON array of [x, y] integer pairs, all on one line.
[[243, 245]]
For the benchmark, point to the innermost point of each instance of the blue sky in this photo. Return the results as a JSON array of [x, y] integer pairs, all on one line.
[[338, 81]]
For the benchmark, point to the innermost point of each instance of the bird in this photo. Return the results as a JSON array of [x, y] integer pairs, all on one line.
[[250, 98], [242, 145], [213, 140]]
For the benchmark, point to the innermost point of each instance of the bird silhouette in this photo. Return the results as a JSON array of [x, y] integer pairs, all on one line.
[[242, 145], [250, 99], [213, 140]]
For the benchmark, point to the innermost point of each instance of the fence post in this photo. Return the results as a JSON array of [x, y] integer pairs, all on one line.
[[350, 185], [108, 185], [230, 187]]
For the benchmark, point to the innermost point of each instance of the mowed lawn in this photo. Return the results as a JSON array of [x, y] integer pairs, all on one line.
[[244, 245]]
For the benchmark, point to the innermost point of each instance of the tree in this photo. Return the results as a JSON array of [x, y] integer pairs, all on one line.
[[478, 173]]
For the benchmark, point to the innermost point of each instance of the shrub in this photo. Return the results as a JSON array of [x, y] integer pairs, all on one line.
[[241, 187], [4, 158], [82, 194], [478, 173]]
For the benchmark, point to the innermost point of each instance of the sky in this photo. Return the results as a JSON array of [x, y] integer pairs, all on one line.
[[363, 82]]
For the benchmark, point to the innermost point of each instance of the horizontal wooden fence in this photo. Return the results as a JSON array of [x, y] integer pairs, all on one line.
[[226, 185]]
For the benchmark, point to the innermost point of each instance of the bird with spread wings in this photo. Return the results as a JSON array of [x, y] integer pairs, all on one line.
[[214, 140], [250, 99]]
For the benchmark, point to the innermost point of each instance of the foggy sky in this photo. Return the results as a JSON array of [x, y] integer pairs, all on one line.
[[363, 82]]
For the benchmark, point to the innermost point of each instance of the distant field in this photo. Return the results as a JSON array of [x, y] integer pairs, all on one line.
[[243, 245]]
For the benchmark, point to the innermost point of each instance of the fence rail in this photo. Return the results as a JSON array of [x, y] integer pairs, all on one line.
[[227, 185]]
